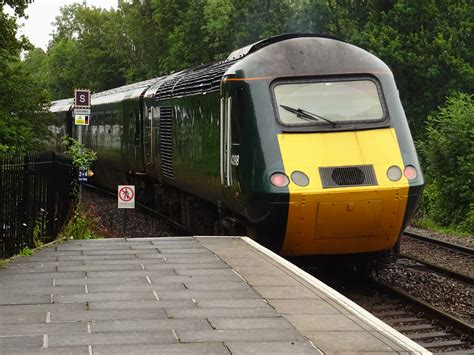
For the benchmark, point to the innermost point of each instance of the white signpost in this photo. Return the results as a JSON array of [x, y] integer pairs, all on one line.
[[126, 200], [126, 196]]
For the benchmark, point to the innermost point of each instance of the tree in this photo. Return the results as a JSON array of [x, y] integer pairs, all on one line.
[[428, 45], [23, 104], [87, 51], [448, 154]]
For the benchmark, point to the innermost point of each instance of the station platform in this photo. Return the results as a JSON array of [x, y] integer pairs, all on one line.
[[179, 295]]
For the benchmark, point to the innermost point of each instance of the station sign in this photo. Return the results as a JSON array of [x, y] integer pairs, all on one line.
[[82, 111], [81, 120], [82, 98], [126, 196], [83, 174]]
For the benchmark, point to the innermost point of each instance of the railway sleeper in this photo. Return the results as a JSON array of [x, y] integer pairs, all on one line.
[[443, 344], [438, 334], [417, 327]]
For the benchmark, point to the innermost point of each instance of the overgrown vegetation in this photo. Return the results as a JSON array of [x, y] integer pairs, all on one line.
[[428, 45], [26, 251], [448, 156], [81, 156], [80, 226]]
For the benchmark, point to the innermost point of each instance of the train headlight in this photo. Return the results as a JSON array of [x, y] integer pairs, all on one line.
[[394, 173], [410, 172], [300, 178], [279, 180]]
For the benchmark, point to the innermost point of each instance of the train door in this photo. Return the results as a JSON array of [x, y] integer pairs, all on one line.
[[229, 147], [225, 140]]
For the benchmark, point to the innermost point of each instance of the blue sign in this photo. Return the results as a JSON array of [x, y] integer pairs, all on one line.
[[83, 174]]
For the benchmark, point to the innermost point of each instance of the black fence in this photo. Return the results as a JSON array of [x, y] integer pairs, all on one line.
[[35, 199]]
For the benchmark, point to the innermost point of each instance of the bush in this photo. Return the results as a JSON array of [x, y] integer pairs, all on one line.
[[448, 156]]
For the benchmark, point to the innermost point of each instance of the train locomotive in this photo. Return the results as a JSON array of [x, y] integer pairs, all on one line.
[[299, 141]]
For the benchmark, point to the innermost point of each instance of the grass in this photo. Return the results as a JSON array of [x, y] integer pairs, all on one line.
[[4, 263], [426, 223]]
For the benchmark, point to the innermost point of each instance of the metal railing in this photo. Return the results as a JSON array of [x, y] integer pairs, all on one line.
[[35, 199]]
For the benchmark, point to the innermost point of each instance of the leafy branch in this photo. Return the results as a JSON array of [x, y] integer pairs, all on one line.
[[81, 156]]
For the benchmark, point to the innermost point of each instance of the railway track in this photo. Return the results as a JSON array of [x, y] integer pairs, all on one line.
[[429, 326], [415, 295], [448, 259]]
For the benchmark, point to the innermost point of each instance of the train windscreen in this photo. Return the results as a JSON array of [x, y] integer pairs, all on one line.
[[328, 102]]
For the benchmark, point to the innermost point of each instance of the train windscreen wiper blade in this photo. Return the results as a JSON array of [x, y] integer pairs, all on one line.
[[306, 115]]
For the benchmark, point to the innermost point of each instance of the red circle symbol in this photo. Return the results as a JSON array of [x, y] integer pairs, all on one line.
[[126, 194]]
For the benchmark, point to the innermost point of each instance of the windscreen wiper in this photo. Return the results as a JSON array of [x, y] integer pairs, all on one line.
[[306, 115]]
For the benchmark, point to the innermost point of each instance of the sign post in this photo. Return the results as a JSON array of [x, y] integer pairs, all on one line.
[[81, 114], [125, 200], [82, 110]]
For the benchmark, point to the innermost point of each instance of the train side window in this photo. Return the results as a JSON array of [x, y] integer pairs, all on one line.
[[136, 135], [238, 110]]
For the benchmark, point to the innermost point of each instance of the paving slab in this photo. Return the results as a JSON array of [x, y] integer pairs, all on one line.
[[110, 314], [108, 338], [271, 348], [249, 323], [79, 350], [144, 325], [164, 349], [177, 295], [143, 304]]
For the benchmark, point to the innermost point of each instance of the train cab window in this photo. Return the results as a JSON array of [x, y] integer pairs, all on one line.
[[330, 102]]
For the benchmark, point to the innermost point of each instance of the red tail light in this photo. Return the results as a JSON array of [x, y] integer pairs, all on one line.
[[410, 172]]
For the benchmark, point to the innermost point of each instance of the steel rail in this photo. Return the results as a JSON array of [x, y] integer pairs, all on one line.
[[459, 326], [439, 269], [141, 205], [447, 245]]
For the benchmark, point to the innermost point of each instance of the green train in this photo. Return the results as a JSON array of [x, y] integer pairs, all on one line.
[[299, 141]]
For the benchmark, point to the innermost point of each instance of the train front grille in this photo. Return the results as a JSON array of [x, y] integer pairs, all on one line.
[[344, 176]]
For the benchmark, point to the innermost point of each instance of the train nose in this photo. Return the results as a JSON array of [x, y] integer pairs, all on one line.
[[344, 222], [350, 204]]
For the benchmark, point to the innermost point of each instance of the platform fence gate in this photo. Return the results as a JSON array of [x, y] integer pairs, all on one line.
[[35, 199]]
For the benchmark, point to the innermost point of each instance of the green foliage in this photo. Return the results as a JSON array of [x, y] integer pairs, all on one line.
[[39, 229], [448, 155], [81, 156], [78, 227], [26, 251], [428, 223], [427, 44], [88, 50], [23, 103]]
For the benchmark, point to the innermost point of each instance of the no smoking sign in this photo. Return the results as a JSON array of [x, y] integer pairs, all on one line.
[[126, 196]]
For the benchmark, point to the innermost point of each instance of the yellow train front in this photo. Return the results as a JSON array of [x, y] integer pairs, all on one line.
[[320, 157]]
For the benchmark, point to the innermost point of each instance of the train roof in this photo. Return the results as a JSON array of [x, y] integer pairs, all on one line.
[[61, 105], [268, 57]]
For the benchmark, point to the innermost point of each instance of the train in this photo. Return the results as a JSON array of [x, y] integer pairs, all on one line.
[[299, 141]]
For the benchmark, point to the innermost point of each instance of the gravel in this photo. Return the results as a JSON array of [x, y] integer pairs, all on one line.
[[110, 222], [451, 296]]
